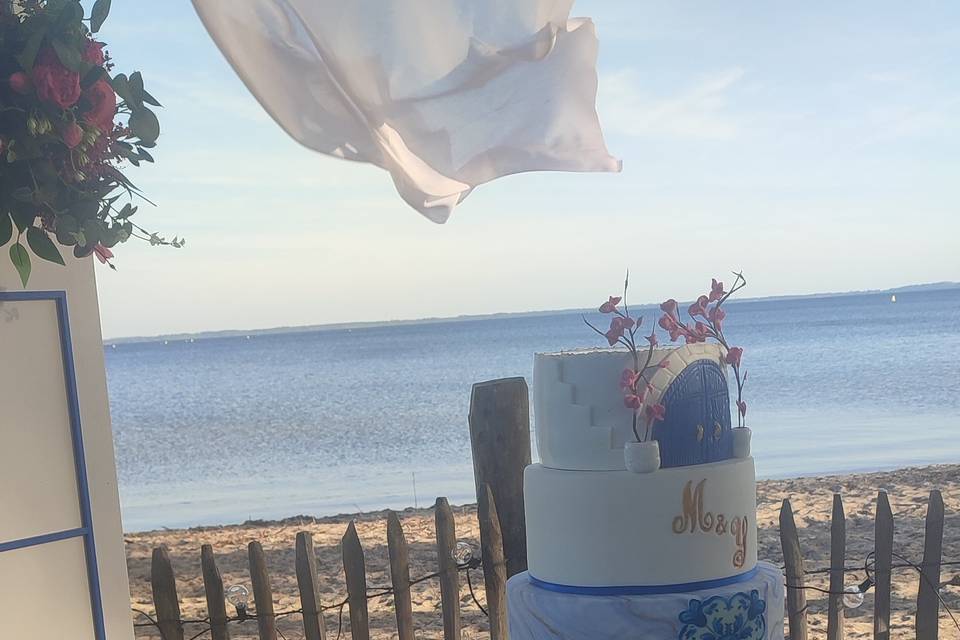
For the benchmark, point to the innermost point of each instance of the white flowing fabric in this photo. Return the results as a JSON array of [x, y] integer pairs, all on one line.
[[443, 94]]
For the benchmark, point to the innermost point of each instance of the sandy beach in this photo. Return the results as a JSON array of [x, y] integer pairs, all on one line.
[[908, 490]]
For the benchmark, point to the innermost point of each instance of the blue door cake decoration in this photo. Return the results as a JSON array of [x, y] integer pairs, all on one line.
[[696, 429]]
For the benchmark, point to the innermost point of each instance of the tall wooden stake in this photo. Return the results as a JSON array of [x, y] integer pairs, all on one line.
[[500, 440]]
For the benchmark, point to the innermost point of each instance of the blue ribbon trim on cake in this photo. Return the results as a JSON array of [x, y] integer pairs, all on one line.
[[648, 590]]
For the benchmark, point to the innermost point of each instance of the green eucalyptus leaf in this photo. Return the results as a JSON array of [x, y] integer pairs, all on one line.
[[21, 260], [85, 209], [145, 125], [101, 9], [149, 99], [83, 250], [23, 219], [136, 85], [93, 76], [93, 231], [68, 55], [6, 228], [145, 156], [121, 85], [67, 224], [111, 237], [72, 13], [67, 229], [28, 56], [43, 246]]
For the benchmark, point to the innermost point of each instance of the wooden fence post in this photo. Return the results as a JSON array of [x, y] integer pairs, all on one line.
[[838, 557], [928, 602], [494, 566], [400, 576], [356, 574], [262, 592], [449, 576], [883, 563], [793, 561], [213, 588], [500, 441], [306, 567], [165, 600]]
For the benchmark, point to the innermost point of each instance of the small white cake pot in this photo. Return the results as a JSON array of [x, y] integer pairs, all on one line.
[[741, 441], [642, 457]]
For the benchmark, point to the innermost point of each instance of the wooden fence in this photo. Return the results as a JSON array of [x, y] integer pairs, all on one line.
[[880, 567], [216, 625], [500, 437]]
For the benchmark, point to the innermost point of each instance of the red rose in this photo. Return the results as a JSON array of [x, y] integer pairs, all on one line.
[[55, 83], [94, 53], [72, 135], [103, 107], [20, 82]]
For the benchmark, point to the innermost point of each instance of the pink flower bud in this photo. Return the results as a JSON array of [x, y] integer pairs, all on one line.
[[669, 307], [652, 339], [734, 354], [72, 135], [616, 330], [20, 83], [610, 305], [698, 308], [632, 401], [103, 253], [655, 413], [667, 322], [742, 408], [716, 290]]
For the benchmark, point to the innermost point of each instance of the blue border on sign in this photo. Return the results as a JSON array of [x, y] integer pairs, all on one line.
[[85, 531]]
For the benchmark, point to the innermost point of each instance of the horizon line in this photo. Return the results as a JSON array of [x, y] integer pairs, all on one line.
[[363, 324]]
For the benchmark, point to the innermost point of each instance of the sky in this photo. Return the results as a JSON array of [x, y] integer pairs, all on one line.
[[815, 146]]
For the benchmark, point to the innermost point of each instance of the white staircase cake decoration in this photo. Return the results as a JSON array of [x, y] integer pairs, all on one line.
[[574, 430]]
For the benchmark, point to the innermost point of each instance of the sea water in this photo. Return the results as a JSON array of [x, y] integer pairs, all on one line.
[[222, 430]]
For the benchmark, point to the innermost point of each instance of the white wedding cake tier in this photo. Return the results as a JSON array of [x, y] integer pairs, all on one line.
[[616, 528], [582, 424], [751, 610]]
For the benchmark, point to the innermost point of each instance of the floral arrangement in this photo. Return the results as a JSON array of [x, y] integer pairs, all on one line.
[[66, 128], [706, 323]]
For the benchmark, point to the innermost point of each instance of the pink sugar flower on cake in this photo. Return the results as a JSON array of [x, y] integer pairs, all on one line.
[[623, 331]]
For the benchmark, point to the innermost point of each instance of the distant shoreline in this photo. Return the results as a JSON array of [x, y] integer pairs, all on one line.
[[232, 333]]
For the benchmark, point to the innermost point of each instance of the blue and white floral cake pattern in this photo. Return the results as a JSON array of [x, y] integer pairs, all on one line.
[[739, 617]]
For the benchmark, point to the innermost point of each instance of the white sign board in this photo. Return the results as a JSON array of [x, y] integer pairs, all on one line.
[[62, 563]]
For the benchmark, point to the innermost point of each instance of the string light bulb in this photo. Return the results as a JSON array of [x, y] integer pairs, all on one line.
[[853, 595], [238, 596], [462, 553]]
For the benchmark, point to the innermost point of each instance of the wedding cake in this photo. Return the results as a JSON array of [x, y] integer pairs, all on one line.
[[641, 514]]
